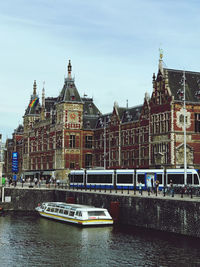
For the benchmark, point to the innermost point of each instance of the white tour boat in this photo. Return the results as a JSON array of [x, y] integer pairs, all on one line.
[[74, 213]]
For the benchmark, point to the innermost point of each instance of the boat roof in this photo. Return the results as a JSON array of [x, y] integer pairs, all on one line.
[[72, 206]]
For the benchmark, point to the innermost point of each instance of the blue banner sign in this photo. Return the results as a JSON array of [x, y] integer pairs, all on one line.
[[15, 162]]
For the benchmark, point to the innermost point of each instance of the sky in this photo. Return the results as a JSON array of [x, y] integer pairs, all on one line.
[[113, 46]]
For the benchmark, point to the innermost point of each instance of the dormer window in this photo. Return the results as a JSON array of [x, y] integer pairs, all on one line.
[[180, 94], [197, 94], [72, 97]]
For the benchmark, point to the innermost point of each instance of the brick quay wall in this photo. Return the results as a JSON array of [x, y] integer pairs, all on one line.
[[181, 216]]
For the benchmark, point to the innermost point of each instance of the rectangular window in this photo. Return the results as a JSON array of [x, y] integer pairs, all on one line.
[[88, 141], [88, 160], [72, 141], [197, 123], [72, 165]]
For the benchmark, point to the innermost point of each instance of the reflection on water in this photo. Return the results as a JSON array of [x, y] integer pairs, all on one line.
[[28, 240]]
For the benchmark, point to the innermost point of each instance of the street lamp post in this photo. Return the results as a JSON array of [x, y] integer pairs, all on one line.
[[184, 130], [104, 154]]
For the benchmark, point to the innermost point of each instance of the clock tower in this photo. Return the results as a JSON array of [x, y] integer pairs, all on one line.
[[69, 121]]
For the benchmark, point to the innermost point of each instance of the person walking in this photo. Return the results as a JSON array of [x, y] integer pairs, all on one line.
[[140, 187], [171, 188], [157, 186]]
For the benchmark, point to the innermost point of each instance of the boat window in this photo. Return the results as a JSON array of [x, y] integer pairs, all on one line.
[[52, 209], [48, 209], [71, 213], [61, 211], [78, 213], [66, 212], [56, 209], [96, 213]]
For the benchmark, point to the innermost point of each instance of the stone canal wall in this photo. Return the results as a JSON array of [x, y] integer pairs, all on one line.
[[180, 216]]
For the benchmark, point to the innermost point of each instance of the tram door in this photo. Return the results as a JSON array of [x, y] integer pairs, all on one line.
[[150, 180]]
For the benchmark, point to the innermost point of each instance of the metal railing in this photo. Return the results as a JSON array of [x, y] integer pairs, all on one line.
[[180, 192]]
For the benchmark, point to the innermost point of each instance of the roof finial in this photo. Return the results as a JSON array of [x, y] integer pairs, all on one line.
[[43, 96], [161, 53], [160, 66], [69, 69], [34, 87]]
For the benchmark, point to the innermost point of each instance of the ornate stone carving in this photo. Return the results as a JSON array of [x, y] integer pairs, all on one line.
[[180, 155], [159, 159], [180, 118]]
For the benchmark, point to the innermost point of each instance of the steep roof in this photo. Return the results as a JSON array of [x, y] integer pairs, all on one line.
[[192, 84], [90, 113], [50, 103], [69, 91], [34, 106], [132, 114]]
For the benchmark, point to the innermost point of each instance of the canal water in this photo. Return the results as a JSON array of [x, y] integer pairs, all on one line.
[[28, 240]]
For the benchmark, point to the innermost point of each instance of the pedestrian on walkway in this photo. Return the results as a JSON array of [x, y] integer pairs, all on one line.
[[140, 187], [157, 186], [171, 188]]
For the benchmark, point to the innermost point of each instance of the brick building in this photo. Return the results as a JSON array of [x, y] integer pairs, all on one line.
[[69, 132], [57, 133], [151, 135]]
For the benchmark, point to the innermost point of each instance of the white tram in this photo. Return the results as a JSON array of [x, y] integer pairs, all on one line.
[[130, 178]]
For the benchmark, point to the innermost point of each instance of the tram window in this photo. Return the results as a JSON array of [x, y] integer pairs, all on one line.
[[141, 178], [125, 179], [176, 178], [189, 178], [159, 178], [99, 178], [196, 180], [78, 178]]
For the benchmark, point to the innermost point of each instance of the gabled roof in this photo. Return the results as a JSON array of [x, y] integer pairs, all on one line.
[[192, 84]]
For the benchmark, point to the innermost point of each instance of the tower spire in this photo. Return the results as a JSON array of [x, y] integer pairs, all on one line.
[[34, 87], [42, 115], [69, 70]]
